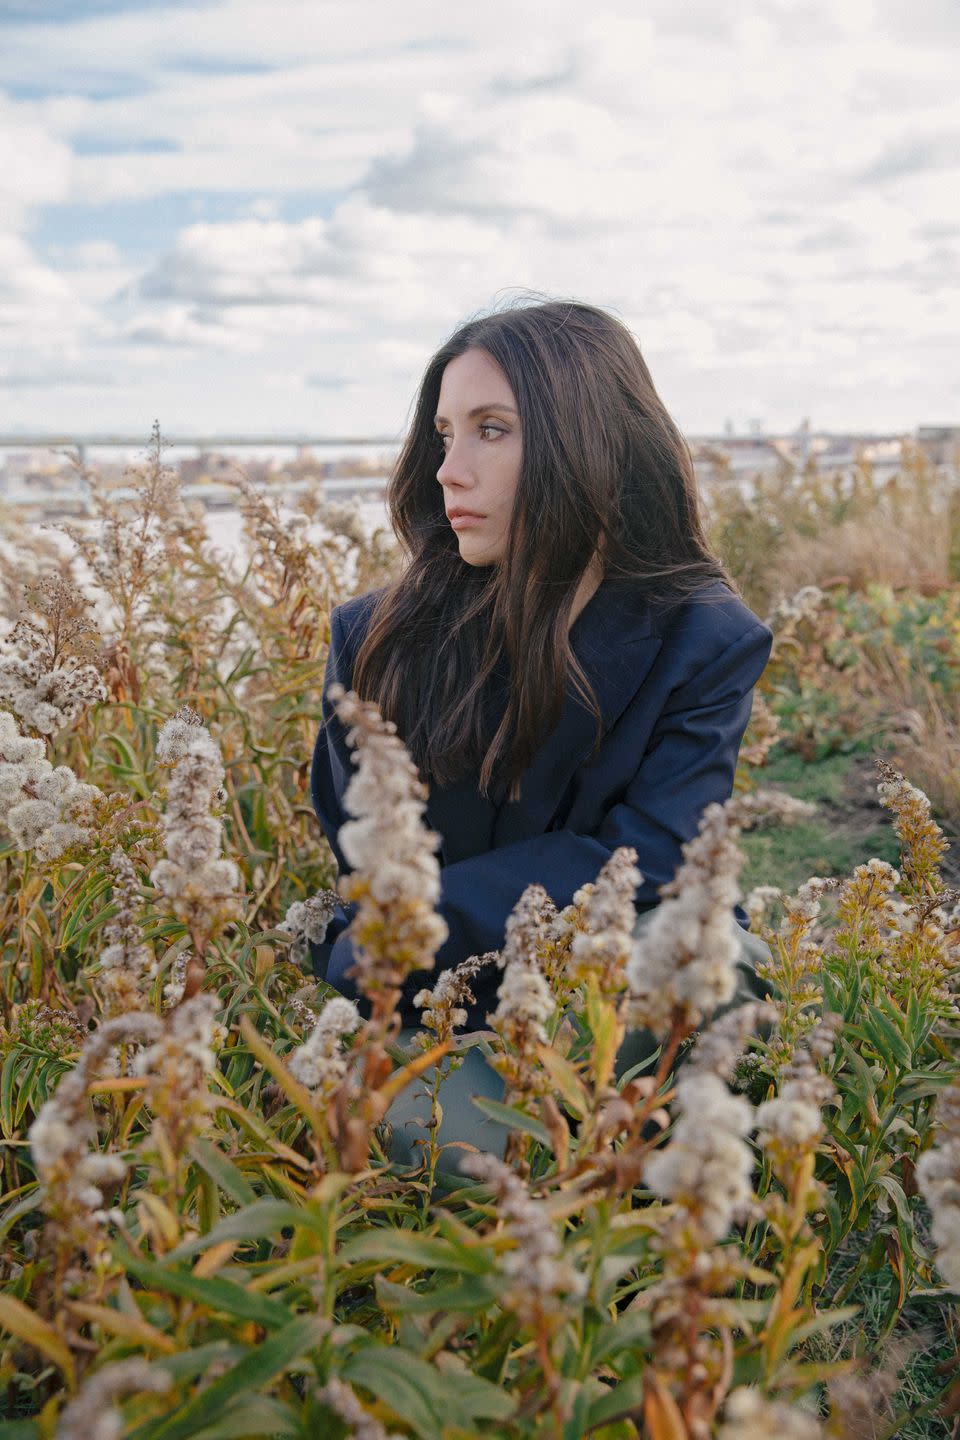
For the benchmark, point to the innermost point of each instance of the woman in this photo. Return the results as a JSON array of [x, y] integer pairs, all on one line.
[[568, 664]]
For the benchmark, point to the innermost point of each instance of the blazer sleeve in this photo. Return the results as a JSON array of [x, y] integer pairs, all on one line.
[[329, 775], [689, 762]]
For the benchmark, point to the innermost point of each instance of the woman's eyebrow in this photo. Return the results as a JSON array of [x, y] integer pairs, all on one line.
[[477, 410]]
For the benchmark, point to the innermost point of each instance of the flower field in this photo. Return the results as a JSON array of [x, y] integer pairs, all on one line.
[[753, 1233]]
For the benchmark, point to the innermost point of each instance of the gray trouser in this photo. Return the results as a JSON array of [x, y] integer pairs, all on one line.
[[475, 1076]]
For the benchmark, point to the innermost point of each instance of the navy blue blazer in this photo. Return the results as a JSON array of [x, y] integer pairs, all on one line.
[[675, 692]]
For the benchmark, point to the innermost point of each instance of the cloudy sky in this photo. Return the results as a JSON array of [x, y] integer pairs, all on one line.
[[244, 215]]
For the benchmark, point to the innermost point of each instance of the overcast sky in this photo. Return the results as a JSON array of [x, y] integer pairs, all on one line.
[[265, 214]]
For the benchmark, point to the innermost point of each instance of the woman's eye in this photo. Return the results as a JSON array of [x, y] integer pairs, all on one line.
[[485, 430]]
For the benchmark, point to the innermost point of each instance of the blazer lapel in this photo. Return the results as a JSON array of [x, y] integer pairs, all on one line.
[[612, 640]]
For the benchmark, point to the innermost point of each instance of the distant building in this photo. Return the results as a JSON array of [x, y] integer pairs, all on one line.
[[941, 443]]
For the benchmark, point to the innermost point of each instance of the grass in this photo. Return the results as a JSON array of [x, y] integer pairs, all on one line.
[[921, 1347], [842, 835]]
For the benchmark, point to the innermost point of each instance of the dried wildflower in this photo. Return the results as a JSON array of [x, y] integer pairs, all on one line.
[[443, 1006], [307, 920], [396, 879], [757, 902], [320, 1063], [806, 902], [790, 1124], [922, 842], [706, 1167], [719, 1049], [683, 963], [555, 944], [867, 905], [91, 1414], [173, 991], [904, 943], [749, 1415], [795, 963], [63, 1134], [525, 999], [860, 1398], [43, 1027], [921, 952], [762, 734], [529, 925], [177, 734], [525, 1004], [130, 546], [791, 610], [938, 1175], [340, 1398], [176, 1065], [345, 518], [604, 944], [45, 673], [126, 963], [542, 1279], [285, 561], [46, 810], [200, 884]]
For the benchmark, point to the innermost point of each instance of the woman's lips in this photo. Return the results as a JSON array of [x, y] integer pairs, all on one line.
[[462, 522]]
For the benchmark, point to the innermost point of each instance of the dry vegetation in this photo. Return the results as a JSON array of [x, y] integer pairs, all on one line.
[[756, 1234]]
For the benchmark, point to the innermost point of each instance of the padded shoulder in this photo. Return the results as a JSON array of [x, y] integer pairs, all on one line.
[[711, 620], [351, 618]]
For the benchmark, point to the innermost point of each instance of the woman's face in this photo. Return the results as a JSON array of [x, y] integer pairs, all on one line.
[[480, 428]]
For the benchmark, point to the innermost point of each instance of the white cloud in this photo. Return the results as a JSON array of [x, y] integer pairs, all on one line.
[[768, 196], [34, 164]]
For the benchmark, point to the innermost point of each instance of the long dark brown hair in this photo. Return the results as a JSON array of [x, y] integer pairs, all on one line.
[[603, 467]]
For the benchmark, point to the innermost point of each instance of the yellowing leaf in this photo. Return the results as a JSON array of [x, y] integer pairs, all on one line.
[[660, 1411], [15, 1317], [128, 1327]]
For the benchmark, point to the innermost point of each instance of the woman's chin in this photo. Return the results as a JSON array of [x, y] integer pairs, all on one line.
[[475, 554]]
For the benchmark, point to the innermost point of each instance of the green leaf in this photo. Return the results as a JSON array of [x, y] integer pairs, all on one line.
[[860, 1079], [190, 1363], [8, 1094], [918, 1084], [23, 1206], [427, 1399], [19, 1430], [835, 1219], [621, 1400], [918, 1021], [890, 1043], [824, 1321], [255, 1415], [900, 1202], [72, 932], [629, 1332], [223, 1171], [564, 1075], [223, 1296], [255, 1221], [255, 1371], [25, 1095], [405, 1247], [472, 1293], [513, 1119]]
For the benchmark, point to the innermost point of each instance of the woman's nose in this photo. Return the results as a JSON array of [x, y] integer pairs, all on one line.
[[451, 466]]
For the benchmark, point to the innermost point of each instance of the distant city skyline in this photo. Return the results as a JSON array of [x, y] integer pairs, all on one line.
[[258, 214]]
